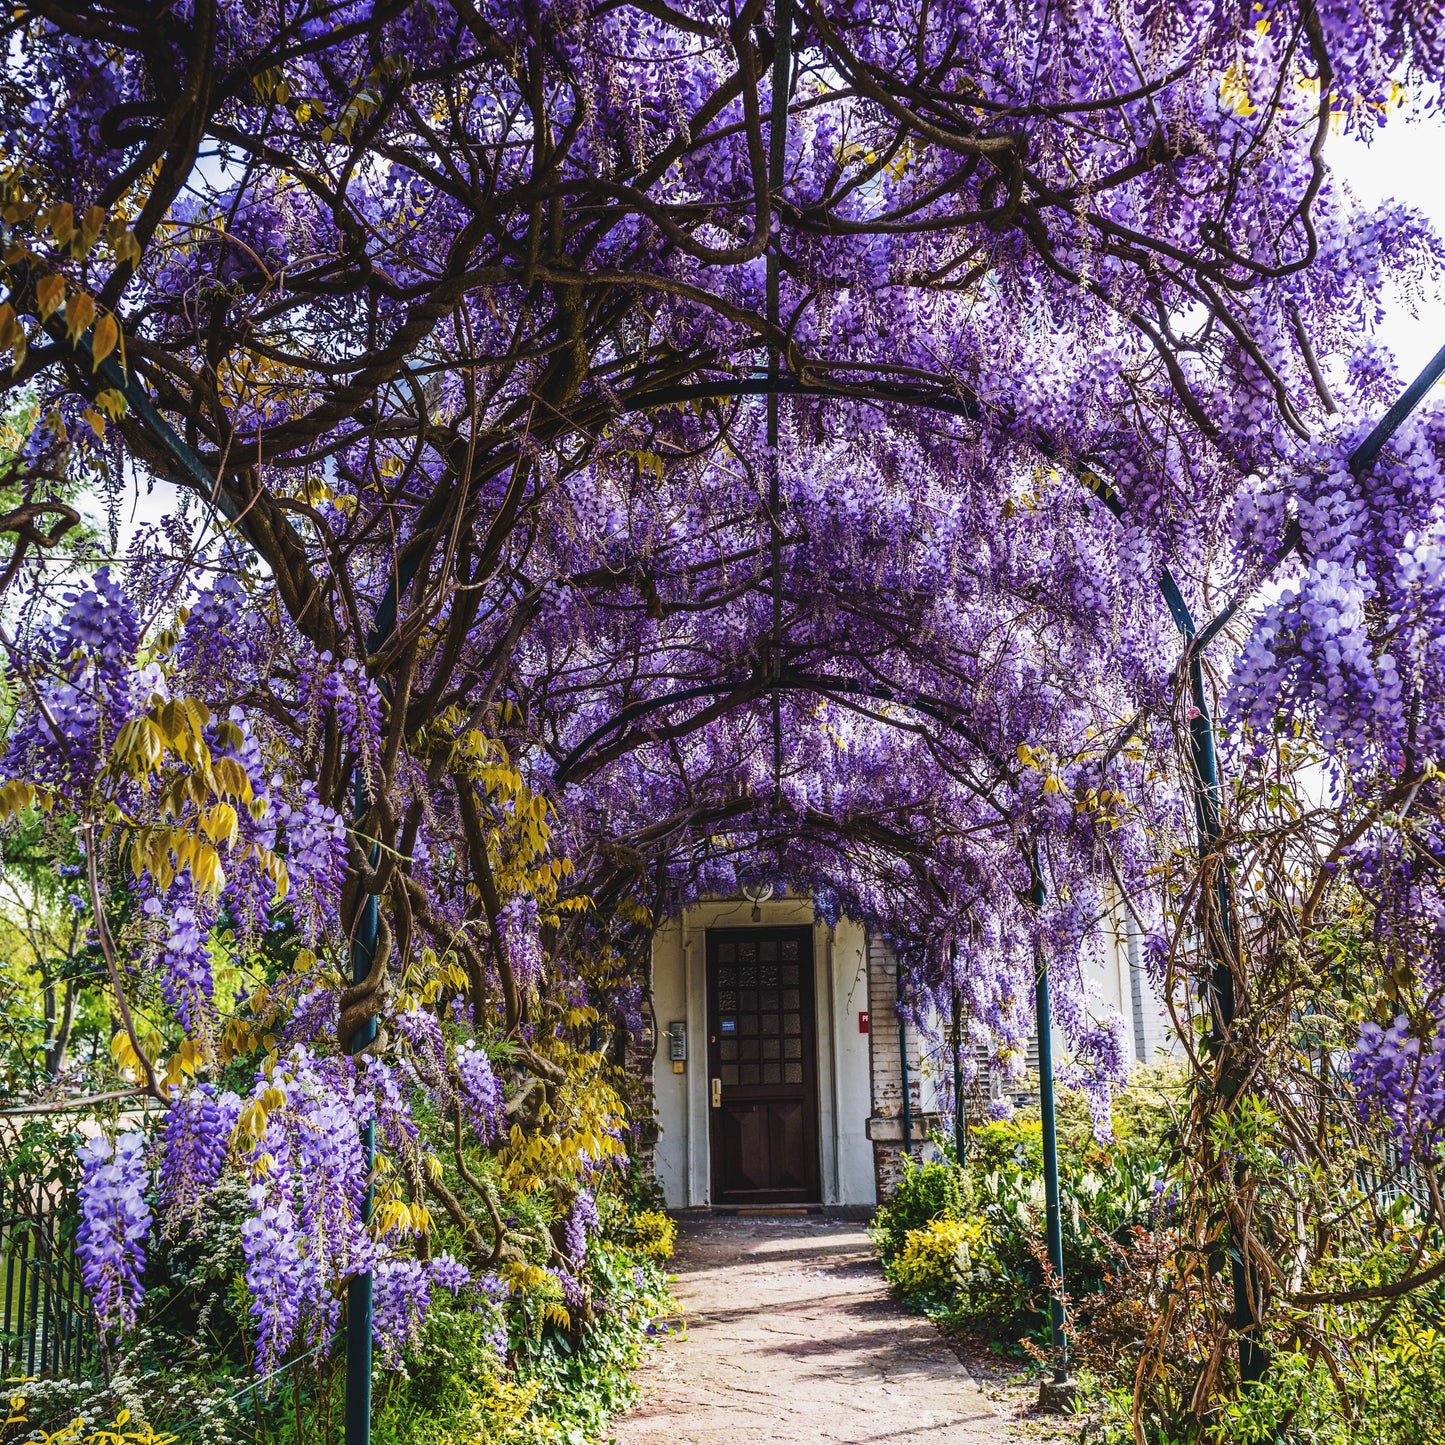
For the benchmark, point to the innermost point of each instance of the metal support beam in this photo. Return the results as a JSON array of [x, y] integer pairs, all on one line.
[[1053, 1219], [358, 1290], [960, 1117]]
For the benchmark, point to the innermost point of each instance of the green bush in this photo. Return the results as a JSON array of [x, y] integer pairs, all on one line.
[[997, 1199], [928, 1191], [938, 1261]]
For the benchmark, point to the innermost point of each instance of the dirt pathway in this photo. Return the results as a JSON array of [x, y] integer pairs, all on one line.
[[791, 1339]]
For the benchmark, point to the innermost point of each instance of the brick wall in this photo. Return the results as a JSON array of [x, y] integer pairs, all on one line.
[[885, 1067]]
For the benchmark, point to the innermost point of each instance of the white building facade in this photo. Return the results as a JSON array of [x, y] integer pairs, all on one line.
[[781, 1072]]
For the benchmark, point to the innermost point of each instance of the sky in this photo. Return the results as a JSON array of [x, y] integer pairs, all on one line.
[[1404, 160]]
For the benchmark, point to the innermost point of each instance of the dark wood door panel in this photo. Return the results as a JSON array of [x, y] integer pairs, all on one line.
[[762, 1055], [787, 1144]]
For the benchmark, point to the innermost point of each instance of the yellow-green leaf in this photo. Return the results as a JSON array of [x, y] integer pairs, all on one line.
[[103, 342], [49, 293], [79, 313]]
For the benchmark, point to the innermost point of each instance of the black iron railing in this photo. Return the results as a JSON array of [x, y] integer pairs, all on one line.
[[47, 1328]]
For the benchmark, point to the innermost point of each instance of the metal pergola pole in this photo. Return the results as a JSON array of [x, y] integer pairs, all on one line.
[[960, 1117], [358, 1289], [1053, 1218]]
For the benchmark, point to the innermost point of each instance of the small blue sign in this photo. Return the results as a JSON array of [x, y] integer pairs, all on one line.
[[728, 1026]]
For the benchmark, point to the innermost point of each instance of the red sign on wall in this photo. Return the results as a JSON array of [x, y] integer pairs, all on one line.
[[863, 1021]]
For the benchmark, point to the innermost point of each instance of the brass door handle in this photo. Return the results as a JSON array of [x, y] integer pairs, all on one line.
[[717, 1093]]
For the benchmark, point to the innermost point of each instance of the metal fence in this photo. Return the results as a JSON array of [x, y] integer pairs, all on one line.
[[46, 1324]]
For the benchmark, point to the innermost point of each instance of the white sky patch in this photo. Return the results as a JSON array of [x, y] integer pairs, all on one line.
[[1404, 161]]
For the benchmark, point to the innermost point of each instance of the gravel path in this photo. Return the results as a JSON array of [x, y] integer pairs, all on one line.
[[788, 1337]]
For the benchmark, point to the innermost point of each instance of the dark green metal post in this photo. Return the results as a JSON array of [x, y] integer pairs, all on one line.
[[358, 1290], [1053, 1220], [960, 1118]]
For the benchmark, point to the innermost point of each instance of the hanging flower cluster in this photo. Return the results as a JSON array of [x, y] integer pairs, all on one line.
[[115, 1219]]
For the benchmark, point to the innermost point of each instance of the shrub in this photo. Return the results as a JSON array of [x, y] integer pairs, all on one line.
[[996, 1203], [929, 1191], [937, 1259], [654, 1234]]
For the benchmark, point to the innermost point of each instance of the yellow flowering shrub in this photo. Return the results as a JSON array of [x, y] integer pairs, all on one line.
[[937, 1256], [655, 1233]]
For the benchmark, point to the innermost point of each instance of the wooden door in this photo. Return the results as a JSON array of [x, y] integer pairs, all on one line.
[[762, 1066]]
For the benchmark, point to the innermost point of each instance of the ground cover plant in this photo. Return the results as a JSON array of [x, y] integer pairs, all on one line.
[[577, 458]]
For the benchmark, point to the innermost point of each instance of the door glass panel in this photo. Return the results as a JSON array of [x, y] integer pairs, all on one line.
[[748, 1048], [748, 1024], [772, 1048], [768, 1000], [792, 998], [792, 1073], [727, 978], [747, 953], [789, 972], [789, 950], [749, 1073], [772, 1073], [730, 1073], [768, 952], [748, 1000], [729, 1050], [727, 1000], [768, 975], [769, 1023], [792, 1049], [792, 1023], [748, 975]]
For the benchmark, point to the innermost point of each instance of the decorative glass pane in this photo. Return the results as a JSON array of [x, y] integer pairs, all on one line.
[[792, 998], [789, 972], [749, 1049], [727, 1000], [772, 1073], [770, 1023], [748, 1001], [748, 1024], [767, 952], [748, 1073], [792, 1049], [747, 953], [727, 978], [729, 1049], [730, 1073], [772, 1048], [768, 975], [792, 1024], [792, 1073], [725, 953], [768, 1000], [748, 976]]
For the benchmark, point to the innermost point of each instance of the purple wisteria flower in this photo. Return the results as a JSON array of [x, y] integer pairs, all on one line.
[[193, 1150], [115, 1221], [518, 924], [481, 1092], [449, 1273], [1402, 1077], [184, 963], [401, 1298], [582, 1222]]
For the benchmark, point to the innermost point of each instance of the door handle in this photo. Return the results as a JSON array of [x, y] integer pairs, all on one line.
[[717, 1093]]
